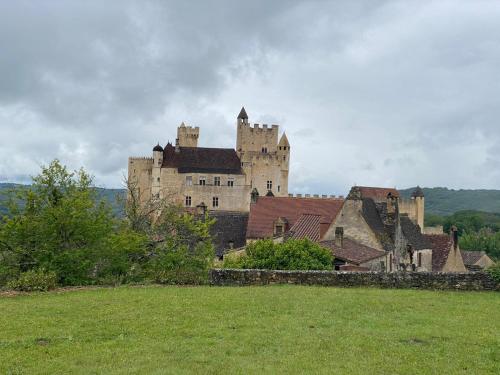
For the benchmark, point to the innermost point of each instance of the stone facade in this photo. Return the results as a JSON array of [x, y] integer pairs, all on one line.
[[221, 179], [400, 280]]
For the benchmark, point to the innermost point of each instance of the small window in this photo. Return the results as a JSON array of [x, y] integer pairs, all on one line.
[[264, 150], [215, 202], [188, 201], [158, 179], [278, 230], [269, 185], [202, 181], [419, 259], [159, 162], [216, 181], [284, 157], [230, 182], [189, 180], [279, 188]]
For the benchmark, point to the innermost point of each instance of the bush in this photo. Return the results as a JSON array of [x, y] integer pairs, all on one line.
[[34, 281], [290, 255], [494, 271], [175, 264]]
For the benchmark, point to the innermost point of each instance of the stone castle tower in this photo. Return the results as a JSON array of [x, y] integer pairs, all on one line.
[[220, 179], [265, 161]]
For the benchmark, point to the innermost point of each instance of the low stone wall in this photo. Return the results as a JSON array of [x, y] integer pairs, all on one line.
[[415, 280]]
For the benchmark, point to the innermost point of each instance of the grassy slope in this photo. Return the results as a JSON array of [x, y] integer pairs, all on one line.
[[278, 329]]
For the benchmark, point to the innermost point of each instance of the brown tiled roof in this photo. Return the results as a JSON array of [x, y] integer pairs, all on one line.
[[352, 251], [441, 245], [377, 193], [202, 160], [266, 210], [471, 257], [306, 226]]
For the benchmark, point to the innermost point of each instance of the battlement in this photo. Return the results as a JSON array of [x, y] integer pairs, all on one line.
[[188, 135], [139, 158], [316, 196]]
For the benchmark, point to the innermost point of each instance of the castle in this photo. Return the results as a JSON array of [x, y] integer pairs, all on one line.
[[216, 178]]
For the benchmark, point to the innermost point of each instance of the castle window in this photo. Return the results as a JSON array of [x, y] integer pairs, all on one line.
[[284, 157], [278, 230], [188, 201], [202, 181], [216, 181], [264, 150], [189, 180], [419, 259], [279, 189], [230, 182], [215, 202], [158, 179], [269, 185]]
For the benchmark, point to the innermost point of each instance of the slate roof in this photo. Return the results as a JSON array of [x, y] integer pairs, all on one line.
[[471, 257], [202, 160], [229, 226], [418, 193], [158, 148], [412, 234], [243, 114], [373, 215], [306, 226], [352, 251], [441, 245], [377, 193], [266, 210]]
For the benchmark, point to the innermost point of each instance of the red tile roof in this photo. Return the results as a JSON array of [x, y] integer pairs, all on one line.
[[441, 245], [352, 252], [267, 210], [377, 193], [306, 226]]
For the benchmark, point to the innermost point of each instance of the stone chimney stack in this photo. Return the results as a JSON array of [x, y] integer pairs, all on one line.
[[339, 237]]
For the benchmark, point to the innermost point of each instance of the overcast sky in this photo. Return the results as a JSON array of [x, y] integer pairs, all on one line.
[[383, 93]]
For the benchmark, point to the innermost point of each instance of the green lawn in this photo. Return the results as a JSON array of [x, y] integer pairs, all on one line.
[[274, 329]]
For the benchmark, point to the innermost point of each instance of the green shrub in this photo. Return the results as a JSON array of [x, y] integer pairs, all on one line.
[[34, 280], [290, 255], [180, 265], [494, 271]]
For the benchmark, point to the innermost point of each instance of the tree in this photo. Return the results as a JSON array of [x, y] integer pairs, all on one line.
[[59, 225]]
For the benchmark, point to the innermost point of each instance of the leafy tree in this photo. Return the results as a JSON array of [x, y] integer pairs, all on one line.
[[290, 255], [56, 224], [483, 240]]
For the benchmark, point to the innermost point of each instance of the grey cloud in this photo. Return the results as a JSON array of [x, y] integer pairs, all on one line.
[[375, 92]]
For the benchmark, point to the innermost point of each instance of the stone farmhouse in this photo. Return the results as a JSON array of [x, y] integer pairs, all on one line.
[[372, 229]]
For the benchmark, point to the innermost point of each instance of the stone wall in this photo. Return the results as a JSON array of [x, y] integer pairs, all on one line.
[[416, 280]]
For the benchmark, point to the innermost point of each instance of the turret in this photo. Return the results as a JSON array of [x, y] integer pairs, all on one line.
[[156, 172], [188, 135], [418, 196]]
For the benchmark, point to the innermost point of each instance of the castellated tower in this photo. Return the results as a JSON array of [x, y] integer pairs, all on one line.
[[265, 161], [188, 136]]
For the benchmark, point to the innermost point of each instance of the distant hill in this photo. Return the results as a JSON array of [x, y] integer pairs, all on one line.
[[109, 195], [438, 201], [444, 201]]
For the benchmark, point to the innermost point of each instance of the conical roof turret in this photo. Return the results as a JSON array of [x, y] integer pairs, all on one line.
[[243, 114], [284, 140]]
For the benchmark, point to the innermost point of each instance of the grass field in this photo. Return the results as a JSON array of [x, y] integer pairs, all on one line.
[[275, 329]]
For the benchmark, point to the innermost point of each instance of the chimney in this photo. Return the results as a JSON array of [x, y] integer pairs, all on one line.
[[254, 195], [323, 228], [339, 237], [454, 236], [177, 147]]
